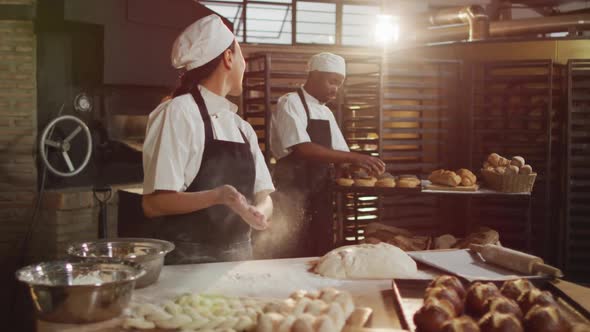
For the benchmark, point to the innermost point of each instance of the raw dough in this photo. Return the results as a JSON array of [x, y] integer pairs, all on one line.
[[367, 261]]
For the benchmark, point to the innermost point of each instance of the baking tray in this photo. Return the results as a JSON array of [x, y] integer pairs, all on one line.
[[409, 293]]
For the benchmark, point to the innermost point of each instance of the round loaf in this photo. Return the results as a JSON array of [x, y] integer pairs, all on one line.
[[535, 297], [477, 295], [442, 293], [433, 314], [460, 324], [504, 305], [546, 319], [449, 282], [500, 322], [385, 182]]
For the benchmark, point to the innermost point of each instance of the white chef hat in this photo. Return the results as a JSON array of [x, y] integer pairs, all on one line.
[[201, 42], [327, 62]]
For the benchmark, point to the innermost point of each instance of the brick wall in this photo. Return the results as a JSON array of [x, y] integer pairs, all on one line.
[[18, 122]]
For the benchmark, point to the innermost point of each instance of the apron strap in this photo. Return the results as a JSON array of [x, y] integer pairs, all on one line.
[[305, 106], [198, 97]]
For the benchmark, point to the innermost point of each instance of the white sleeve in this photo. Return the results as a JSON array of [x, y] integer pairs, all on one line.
[[166, 149], [263, 181], [338, 141], [290, 122]]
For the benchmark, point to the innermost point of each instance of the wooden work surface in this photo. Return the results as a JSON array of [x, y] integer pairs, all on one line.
[[273, 279]]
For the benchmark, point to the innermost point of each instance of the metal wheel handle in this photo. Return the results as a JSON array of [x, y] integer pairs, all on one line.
[[64, 146]]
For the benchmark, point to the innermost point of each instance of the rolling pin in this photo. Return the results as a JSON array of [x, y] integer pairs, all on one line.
[[515, 260]]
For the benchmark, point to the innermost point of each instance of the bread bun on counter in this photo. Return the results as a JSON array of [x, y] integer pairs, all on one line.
[[445, 177], [460, 324], [408, 183], [451, 282], [345, 182], [500, 322], [368, 182], [535, 297], [385, 182], [504, 305], [513, 289], [546, 319], [467, 177], [448, 294], [477, 295], [433, 314]]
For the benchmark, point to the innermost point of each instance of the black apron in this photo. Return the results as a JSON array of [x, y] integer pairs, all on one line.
[[300, 178], [215, 234]]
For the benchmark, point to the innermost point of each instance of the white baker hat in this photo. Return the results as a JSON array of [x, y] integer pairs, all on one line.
[[327, 62], [201, 42]]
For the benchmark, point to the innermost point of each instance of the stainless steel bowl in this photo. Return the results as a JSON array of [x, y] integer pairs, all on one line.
[[149, 253], [80, 292]]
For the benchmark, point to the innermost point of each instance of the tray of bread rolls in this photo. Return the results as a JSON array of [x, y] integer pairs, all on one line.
[[363, 182], [449, 304], [326, 310]]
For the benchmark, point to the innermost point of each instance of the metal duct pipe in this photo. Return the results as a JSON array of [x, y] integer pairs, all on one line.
[[475, 16], [507, 28]]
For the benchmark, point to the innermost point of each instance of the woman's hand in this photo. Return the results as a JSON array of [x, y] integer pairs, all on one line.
[[229, 196]]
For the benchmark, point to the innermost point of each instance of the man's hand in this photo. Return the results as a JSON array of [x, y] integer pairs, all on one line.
[[371, 164], [229, 196]]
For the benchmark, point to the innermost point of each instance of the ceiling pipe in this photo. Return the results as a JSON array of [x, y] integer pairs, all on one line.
[[474, 16], [506, 28]]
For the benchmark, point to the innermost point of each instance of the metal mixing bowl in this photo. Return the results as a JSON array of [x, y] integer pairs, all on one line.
[[149, 253], [80, 292]]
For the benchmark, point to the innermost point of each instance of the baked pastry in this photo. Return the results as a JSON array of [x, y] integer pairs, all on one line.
[[533, 297], [449, 282], [460, 324], [504, 305], [366, 182], [448, 294], [385, 182], [526, 169], [433, 314], [512, 170], [499, 322], [500, 170], [445, 177], [408, 183], [513, 289], [477, 295], [546, 319], [345, 182], [494, 159], [517, 161], [467, 177], [446, 241], [483, 236], [503, 162]]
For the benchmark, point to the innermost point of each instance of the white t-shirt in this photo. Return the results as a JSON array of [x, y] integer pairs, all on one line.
[[288, 126], [175, 137]]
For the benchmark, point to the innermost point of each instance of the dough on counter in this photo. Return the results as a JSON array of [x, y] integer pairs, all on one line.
[[367, 261]]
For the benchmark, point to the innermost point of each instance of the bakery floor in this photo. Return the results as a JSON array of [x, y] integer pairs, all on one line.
[[276, 278]]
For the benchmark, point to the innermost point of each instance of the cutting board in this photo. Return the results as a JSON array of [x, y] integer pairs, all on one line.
[[438, 187]]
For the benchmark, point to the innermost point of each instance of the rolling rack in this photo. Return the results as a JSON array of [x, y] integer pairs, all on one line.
[[515, 111], [268, 76], [577, 196], [418, 103]]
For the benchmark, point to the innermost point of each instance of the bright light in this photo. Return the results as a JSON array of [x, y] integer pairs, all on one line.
[[386, 30]]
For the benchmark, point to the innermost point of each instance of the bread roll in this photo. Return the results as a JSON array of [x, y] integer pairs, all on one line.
[[467, 177], [517, 161], [370, 182], [444, 177], [494, 159], [513, 289], [499, 322], [477, 295], [460, 324], [500, 170], [449, 294], [504, 305], [408, 183], [345, 182], [535, 297], [526, 169], [546, 319], [408, 176], [433, 314], [503, 162], [512, 170], [451, 282], [385, 182]]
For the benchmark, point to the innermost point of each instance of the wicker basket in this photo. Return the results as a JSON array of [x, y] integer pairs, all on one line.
[[518, 183]]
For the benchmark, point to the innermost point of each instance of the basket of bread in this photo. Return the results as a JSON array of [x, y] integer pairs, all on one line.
[[508, 175]]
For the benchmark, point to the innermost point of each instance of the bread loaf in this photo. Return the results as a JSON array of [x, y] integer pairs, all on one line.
[[444, 177], [494, 159], [467, 177], [512, 170], [526, 169], [517, 161]]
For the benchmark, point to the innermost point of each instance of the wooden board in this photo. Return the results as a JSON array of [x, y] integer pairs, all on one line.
[[438, 187]]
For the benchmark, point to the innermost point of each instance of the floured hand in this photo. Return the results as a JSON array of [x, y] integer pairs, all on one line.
[[229, 196]]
